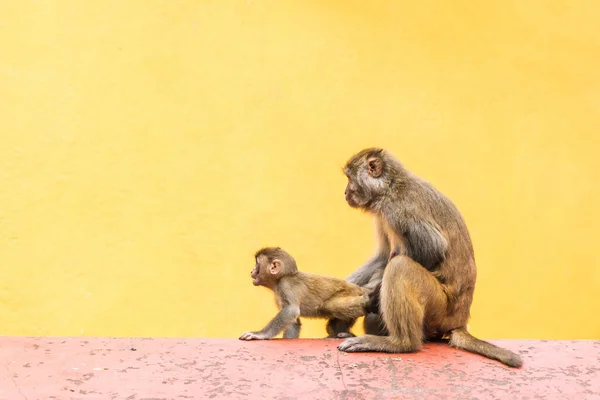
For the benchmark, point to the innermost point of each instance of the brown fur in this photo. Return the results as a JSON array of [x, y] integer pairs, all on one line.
[[426, 251], [300, 294]]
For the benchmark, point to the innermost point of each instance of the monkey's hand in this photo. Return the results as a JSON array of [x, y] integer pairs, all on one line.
[[253, 336]]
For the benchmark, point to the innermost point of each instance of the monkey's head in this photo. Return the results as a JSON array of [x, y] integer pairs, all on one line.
[[370, 175], [272, 263]]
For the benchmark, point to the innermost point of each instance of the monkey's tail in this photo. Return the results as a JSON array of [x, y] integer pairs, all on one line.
[[462, 339]]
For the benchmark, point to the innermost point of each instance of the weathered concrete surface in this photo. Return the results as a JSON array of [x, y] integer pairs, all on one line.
[[136, 369]]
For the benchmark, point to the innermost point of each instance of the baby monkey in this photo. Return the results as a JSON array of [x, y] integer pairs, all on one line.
[[301, 294]]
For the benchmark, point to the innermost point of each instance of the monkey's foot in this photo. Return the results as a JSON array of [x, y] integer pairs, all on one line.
[[253, 336], [355, 345], [341, 335], [371, 343]]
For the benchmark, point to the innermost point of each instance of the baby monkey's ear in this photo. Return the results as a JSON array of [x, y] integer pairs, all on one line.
[[275, 267]]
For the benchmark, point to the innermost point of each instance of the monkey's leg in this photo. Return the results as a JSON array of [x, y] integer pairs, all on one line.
[[374, 325], [345, 311], [408, 293], [345, 308], [339, 329], [293, 332], [362, 276]]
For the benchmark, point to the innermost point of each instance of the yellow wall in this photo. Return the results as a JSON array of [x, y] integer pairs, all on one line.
[[148, 147]]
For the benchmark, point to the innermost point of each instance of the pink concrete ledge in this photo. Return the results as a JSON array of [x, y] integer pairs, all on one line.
[[137, 369]]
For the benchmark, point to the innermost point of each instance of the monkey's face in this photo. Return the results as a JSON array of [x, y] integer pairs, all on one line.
[[355, 197], [366, 180], [265, 273], [255, 274]]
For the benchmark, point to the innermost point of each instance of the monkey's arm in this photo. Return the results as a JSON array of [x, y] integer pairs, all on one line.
[[293, 332], [374, 282], [284, 318], [287, 316], [423, 242], [373, 288], [364, 273]]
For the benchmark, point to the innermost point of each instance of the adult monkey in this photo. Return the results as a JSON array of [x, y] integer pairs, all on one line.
[[425, 247]]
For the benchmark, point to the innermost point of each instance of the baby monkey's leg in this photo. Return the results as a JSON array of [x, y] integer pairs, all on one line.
[[344, 311]]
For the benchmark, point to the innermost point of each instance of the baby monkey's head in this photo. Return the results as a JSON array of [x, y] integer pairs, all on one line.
[[272, 263]]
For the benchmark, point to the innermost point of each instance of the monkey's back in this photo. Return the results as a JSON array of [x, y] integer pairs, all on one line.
[[316, 290], [458, 271]]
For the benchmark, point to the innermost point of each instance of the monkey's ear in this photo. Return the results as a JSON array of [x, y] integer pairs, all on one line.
[[375, 167], [275, 267]]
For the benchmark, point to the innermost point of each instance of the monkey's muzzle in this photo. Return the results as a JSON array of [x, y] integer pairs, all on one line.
[[255, 278], [351, 201]]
